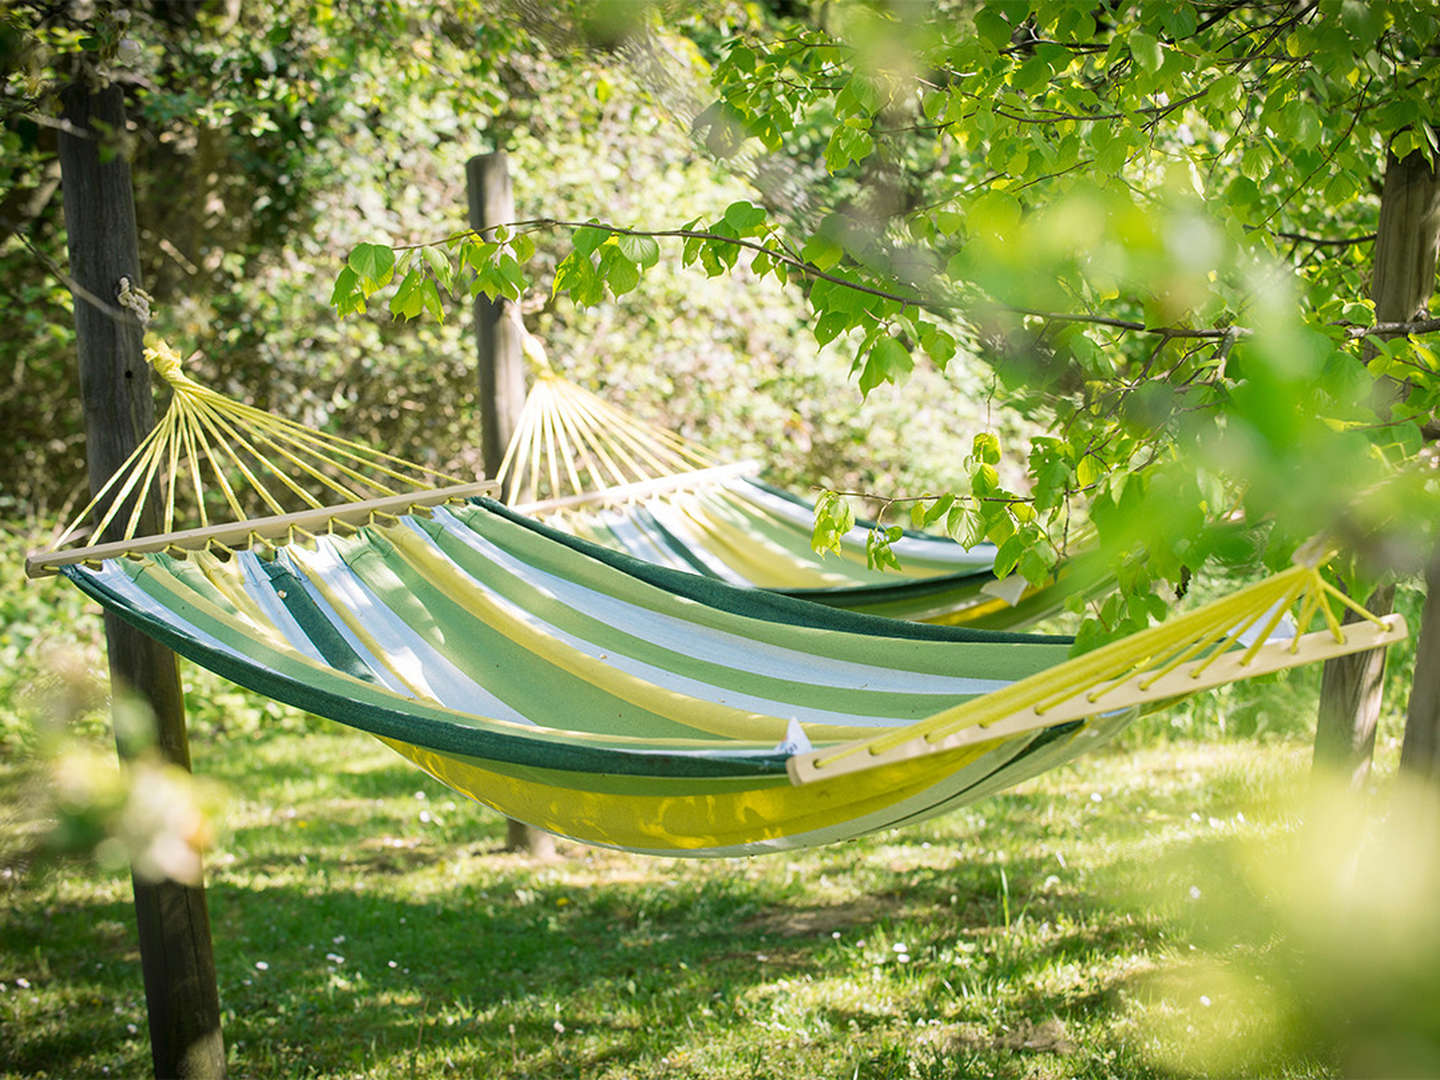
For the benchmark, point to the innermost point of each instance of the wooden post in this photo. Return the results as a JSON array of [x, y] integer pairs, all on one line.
[[498, 332], [1420, 753], [181, 997], [1402, 282], [499, 341]]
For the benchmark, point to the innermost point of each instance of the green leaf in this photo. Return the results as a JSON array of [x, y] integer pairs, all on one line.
[[938, 509], [992, 28], [1008, 556], [1033, 567], [478, 253], [639, 249], [985, 448], [373, 265], [822, 251], [620, 273], [523, 247], [439, 265], [744, 216], [346, 298], [830, 325], [587, 238], [887, 361], [407, 301], [833, 519], [430, 298], [1146, 50]]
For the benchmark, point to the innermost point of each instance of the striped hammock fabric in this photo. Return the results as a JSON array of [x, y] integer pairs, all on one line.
[[613, 700], [577, 690], [746, 533], [613, 479]]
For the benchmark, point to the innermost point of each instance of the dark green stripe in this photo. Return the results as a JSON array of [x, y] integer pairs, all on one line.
[[433, 731], [759, 603], [675, 544], [328, 641]]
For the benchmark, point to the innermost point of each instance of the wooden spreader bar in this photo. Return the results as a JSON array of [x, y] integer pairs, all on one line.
[[640, 489], [833, 761], [44, 563]]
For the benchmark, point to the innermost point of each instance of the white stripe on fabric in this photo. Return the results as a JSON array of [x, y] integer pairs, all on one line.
[[666, 679], [636, 540], [719, 646], [373, 663], [683, 529], [258, 587], [414, 658]]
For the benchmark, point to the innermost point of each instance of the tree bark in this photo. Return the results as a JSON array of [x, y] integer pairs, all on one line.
[[1420, 753], [1401, 285], [498, 331], [1350, 700], [499, 345], [174, 926]]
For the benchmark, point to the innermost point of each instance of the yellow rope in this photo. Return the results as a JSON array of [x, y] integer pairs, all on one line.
[[1216, 627], [249, 455], [579, 444]]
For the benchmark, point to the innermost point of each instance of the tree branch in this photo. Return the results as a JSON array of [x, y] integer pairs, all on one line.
[[1354, 331], [799, 265]]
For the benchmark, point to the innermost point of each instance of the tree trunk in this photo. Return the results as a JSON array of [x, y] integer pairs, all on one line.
[[174, 927], [1420, 754], [1401, 285], [498, 340], [1350, 699]]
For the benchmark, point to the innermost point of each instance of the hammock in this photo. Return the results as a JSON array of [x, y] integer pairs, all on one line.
[[593, 470], [623, 704]]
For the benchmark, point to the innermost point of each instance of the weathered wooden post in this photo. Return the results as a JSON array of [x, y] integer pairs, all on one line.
[[174, 927], [498, 341], [1401, 284]]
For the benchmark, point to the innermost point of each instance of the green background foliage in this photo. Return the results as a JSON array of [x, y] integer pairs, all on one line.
[[1060, 221]]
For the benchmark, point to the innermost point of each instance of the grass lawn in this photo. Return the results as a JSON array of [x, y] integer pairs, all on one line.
[[367, 925]]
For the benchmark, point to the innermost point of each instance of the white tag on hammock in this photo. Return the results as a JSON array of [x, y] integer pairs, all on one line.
[[1009, 589], [796, 741]]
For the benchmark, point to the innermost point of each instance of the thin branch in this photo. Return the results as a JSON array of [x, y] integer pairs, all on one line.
[[1355, 331], [1322, 241], [78, 291], [799, 265], [1130, 324]]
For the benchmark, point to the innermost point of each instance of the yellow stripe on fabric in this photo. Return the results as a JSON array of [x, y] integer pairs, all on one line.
[[177, 595], [713, 717], [762, 563], [851, 556], [356, 625], [771, 810]]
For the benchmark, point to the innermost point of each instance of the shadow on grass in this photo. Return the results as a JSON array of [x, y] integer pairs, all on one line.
[[507, 969], [350, 939]]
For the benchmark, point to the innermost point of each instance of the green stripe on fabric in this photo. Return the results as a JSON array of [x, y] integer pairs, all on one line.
[[800, 691], [328, 641], [291, 679], [528, 683], [827, 631]]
